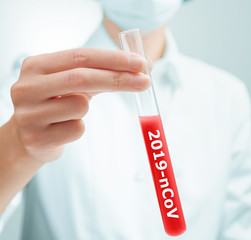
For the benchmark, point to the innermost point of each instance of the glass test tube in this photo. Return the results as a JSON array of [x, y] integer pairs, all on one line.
[[156, 146]]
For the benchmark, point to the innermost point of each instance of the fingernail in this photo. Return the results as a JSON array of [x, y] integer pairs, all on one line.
[[137, 63], [141, 81]]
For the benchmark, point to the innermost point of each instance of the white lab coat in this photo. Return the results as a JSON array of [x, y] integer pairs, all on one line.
[[101, 187]]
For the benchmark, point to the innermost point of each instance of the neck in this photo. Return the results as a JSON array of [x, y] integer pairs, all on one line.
[[154, 41]]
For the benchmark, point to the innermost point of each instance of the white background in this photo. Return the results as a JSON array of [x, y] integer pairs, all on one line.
[[216, 31]]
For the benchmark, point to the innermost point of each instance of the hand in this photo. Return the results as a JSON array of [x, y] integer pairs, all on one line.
[[53, 91]]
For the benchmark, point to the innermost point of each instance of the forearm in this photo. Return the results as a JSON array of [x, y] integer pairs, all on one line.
[[16, 167]]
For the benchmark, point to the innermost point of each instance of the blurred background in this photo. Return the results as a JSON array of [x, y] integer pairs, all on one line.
[[218, 32], [215, 31]]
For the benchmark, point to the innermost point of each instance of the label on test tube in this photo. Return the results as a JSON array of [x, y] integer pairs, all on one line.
[[163, 176]]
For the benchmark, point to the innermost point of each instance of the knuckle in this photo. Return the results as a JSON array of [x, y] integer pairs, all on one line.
[[14, 92], [117, 81], [74, 78], [22, 91], [80, 56], [28, 64], [17, 92]]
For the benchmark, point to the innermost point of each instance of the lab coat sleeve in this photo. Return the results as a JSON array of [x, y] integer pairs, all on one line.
[[237, 209], [10, 211], [6, 110], [6, 106]]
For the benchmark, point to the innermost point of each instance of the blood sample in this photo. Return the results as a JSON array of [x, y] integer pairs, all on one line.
[[163, 176], [156, 146]]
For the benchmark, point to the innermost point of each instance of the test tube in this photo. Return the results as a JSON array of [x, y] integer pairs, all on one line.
[[156, 145]]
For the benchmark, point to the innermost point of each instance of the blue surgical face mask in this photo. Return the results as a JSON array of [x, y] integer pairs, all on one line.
[[143, 14]]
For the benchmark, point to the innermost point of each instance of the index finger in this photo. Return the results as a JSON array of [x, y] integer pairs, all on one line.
[[89, 58]]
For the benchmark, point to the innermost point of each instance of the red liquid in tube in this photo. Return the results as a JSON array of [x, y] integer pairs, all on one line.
[[163, 176]]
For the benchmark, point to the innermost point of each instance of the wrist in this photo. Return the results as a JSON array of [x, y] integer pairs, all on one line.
[[16, 167], [13, 151]]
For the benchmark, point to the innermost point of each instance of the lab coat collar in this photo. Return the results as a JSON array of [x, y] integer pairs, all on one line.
[[168, 63], [171, 50]]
